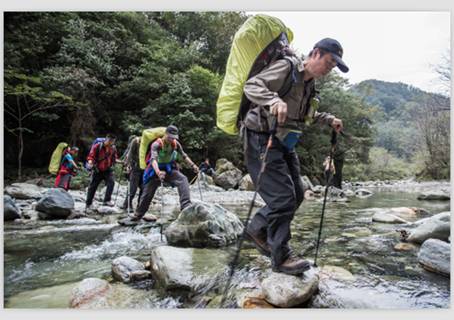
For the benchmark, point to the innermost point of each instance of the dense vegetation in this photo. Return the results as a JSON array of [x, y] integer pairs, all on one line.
[[412, 129], [73, 76]]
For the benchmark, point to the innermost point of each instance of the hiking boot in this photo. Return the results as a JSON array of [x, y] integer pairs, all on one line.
[[88, 208], [108, 203], [260, 244], [293, 266]]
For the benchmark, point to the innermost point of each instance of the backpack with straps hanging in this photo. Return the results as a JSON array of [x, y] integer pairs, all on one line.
[[260, 41]]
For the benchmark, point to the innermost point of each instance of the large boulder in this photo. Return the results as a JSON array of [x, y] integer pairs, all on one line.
[[55, 204], [434, 195], [24, 191], [88, 291], [223, 165], [204, 225], [246, 183], [287, 291], [228, 179], [187, 270], [127, 270], [436, 227], [10, 210], [435, 256], [227, 175]]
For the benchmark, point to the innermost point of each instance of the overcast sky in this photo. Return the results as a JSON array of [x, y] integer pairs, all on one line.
[[390, 46]]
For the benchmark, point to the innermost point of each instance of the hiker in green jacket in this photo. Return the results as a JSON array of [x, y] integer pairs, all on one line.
[[162, 167], [281, 187]]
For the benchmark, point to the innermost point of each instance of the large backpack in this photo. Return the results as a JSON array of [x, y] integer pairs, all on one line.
[[148, 136], [260, 41], [57, 156], [97, 140]]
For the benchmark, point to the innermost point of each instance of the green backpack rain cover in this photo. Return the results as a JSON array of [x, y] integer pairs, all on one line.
[[148, 136], [55, 159], [249, 43]]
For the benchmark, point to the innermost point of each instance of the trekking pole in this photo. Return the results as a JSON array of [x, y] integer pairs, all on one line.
[[128, 195], [119, 180], [193, 179], [198, 183], [328, 180], [162, 207], [251, 206]]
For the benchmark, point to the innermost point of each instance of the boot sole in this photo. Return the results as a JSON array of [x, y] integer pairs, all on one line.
[[293, 272]]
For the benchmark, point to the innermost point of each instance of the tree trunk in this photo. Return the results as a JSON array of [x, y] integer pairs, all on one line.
[[21, 152], [21, 144]]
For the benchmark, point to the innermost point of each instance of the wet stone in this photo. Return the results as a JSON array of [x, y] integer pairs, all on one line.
[[24, 191], [10, 209], [55, 204], [435, 256], [288, 291], [204, 225], [187, 270], [127, 269]]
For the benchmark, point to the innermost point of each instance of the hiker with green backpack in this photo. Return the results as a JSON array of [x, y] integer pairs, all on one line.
[[100, 161], [282, 188], [277, 98], [162, 166]]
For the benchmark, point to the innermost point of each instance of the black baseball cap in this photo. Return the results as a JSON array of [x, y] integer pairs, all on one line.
[[335, 48], [172, 131]]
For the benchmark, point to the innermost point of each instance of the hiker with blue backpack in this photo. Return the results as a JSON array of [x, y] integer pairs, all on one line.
[[100, 161], [280, 186], [162, 167]]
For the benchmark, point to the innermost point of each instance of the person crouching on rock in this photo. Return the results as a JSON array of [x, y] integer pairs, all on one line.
[[162, 167], [67, 169]]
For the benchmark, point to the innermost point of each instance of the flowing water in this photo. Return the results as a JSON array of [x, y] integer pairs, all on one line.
[[43, 260]]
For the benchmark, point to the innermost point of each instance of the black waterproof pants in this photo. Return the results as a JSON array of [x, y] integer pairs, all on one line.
[[280, 187], [96, 178]]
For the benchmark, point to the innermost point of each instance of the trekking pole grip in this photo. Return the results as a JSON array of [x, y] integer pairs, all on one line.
[[333, 138]]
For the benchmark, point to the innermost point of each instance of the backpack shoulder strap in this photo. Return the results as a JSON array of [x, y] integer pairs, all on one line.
[[161, 143], [98, 149], [289, 80]]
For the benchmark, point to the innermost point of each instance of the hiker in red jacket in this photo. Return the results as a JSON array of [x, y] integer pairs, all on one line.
[[100, 160]]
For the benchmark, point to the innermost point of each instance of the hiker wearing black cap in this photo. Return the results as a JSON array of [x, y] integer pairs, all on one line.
[[280, 186], [164, 153]]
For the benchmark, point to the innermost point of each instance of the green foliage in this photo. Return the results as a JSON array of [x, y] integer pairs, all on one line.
[[382, 166], [355, 116], [122, 72], [410, 121]]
